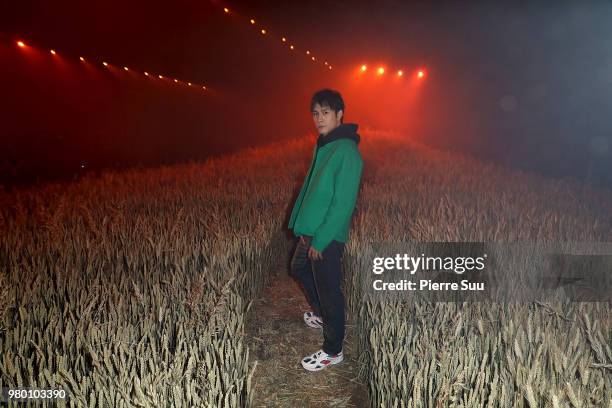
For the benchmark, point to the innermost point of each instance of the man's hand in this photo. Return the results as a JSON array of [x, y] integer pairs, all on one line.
[[314, 255]]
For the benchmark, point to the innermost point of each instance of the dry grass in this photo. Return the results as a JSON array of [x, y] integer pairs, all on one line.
[[476, 354], [133, 289]]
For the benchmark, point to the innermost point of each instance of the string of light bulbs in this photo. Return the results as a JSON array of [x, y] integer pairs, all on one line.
[[419, 73], [21, 44], [284, 41]]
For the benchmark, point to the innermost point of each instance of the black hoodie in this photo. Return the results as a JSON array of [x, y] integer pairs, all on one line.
[[345, 130]]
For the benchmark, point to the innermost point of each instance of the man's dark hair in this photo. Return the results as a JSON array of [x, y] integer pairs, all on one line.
[[328, 97]]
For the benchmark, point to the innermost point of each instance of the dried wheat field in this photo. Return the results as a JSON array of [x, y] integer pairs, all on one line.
[[133, 289]]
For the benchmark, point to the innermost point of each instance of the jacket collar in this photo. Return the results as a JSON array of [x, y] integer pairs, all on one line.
[[344, 131]]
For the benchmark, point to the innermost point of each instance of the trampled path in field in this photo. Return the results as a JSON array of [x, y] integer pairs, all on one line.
[[278, 339]]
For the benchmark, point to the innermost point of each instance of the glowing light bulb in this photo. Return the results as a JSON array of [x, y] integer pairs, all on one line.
[[53, 52], [160, 77], [291, 47], [226, 9], [400, 72], [146, 73], [126, 68], [176, 80], [313, 58], [252, 21], [82, 59], [189, 83], [421, 74], [363, 68], [263, 31], [307, 52], [325, 62], [105, 64], [21, 44], [381, 71], [284, 39]]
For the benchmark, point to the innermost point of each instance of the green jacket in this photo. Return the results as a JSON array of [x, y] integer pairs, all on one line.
[[325, 205]]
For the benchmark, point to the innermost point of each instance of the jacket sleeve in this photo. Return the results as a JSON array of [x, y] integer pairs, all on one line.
[[346, 187], [300, 197]]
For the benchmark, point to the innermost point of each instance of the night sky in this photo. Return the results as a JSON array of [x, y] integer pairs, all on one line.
[[524, 85]]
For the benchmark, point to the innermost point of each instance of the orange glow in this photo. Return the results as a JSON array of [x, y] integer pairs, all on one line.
[[189, 83], [421, 74], [252, 21], [263, 31], [105, 64], [325, 62], [126, 68], [82, 59], [313, 58], [53, 52], [204, 88], [160, 77], [21, 44], [330, 67], [146, 73], [176, 80], [284, 39], [226, 9], [291, 47], [307, 52], [381, 70], [364, 67], [400, 73]]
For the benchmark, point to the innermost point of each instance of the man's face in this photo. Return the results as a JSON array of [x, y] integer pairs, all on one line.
[[325, 118]]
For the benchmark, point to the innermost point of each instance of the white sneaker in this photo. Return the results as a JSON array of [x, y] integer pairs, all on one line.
[[313, 320], [320, 360]]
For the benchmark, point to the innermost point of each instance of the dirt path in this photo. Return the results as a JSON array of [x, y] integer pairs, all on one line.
[[278, 339]]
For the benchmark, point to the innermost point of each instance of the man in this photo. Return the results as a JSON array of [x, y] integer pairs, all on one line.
[[321, 218]]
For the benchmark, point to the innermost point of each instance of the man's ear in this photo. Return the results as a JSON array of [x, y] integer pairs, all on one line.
[[340, 114]]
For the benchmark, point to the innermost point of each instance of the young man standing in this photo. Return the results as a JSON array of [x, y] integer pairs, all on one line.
[[321, 218]]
